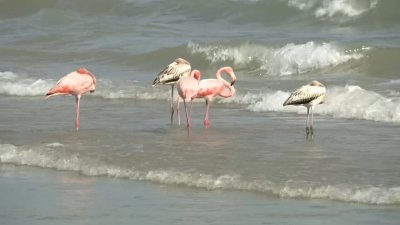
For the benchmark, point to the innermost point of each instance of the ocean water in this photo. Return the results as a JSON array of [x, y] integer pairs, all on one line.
[[254, 155]]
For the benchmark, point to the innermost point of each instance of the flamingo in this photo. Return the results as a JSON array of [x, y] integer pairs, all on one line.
[[171, 75], [309, 96], [210, 88], [188, 88], [75, 83]]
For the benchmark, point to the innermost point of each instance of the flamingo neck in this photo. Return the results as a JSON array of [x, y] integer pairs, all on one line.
[[226, 94], [228, 70]]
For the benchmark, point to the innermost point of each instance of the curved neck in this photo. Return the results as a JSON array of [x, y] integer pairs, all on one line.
[[229, 72], [226, 94]]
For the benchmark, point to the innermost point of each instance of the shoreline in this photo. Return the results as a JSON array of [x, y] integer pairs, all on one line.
[[42, 196]]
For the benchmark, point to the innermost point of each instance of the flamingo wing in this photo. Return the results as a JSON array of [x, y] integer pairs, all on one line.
[[74, 83], [173, 72], [305, 95]]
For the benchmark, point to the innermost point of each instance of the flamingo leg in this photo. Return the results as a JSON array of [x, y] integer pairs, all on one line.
[[190, 111], [78, 100], [178, 111], [307, 121], [171, 106], [206, 122], [187, 117], [312, 122]]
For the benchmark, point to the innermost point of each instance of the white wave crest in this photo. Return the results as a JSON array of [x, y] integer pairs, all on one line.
[[287, 60], [343, 192], [302, 4], [341, 102], [332, 8], [55, 144], [14, 85], [356, 102], [343, 7], [7, 75], [297, 59], [44, 157], [240, 55]]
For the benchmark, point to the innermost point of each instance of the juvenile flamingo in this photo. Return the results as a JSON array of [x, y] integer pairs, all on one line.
[[171, 75], [309, 96], [216, 87], [75, 83], [188, 88]]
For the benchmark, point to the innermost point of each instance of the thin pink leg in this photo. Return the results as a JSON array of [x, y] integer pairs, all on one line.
[[190, 115], [172, 107], [78, 100], [206, 122], [187, 117]]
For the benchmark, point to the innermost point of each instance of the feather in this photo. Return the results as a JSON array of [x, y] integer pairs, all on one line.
[[306, 94], [173, 72]]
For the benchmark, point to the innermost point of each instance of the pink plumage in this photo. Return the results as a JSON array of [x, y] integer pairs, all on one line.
[[75, 83], [188, 88], [209, 88]]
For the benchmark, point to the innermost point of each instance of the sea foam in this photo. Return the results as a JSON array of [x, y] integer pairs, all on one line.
[[12, 84], [289, 59], [49, 156], [333, 8], [341, 102], [15, 85]]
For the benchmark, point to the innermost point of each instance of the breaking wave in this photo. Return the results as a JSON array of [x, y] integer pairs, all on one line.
[[290, 59], [12, 84], [352, 102], [50, 156], [332, 8]]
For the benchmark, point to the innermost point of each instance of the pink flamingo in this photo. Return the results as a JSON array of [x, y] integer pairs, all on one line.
[[188, 88], [75, 83], [171, 75], [216, 87]]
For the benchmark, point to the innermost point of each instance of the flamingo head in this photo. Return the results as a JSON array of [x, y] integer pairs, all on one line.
[[196, 74], [316, 83], [82, 70], [230, 72]]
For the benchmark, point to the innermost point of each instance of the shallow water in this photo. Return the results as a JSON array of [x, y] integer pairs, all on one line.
[[254, 146], [66, 198], [240, 151]]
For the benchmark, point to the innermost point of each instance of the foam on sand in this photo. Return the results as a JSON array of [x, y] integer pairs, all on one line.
[[50, 156]]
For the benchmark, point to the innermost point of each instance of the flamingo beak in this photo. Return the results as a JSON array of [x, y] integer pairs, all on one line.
[[233, 82]]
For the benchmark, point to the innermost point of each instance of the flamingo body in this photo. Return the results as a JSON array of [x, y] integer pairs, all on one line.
[[309, 96], [170, 75], [173, 72], [75, 83], [209, 88], [188, 88]]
